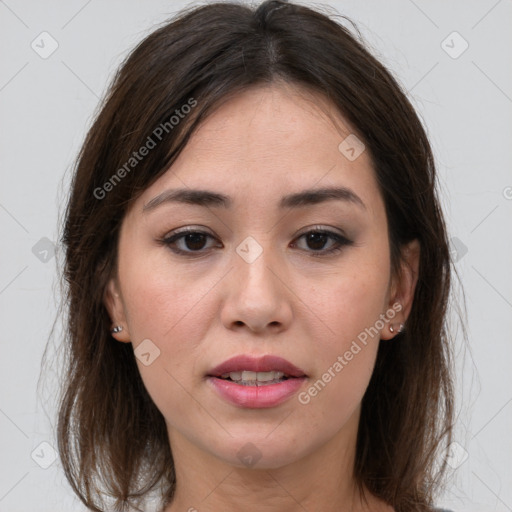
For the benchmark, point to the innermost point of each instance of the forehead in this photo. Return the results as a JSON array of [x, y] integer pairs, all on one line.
[[272, 121], [271, 141]]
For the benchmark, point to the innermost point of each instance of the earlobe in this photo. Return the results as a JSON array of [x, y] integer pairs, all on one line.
[[402, 291], [115, 308]]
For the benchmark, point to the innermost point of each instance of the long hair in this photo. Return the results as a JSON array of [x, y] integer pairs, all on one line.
[[112, 439]]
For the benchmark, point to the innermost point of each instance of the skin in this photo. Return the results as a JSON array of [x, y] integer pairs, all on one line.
[[199, 311]]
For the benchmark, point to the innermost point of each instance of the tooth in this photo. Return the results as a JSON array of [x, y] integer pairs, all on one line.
[[266, 376], [247, 375], [253, 377]]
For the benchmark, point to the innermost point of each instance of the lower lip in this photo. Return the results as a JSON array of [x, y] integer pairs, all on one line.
[[256, 397]]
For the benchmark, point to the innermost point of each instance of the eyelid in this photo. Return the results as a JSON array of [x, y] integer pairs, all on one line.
[[322, 228], [189, 229]]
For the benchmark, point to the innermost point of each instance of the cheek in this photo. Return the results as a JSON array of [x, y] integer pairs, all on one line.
[[357, 296], [164, 306], [351, 308], [165, 310], [162, 298]]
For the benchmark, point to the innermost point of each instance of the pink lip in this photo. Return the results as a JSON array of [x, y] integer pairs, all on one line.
[[266, 363], [256, 397]]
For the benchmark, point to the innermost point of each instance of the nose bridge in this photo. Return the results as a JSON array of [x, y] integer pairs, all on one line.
[[254, 267], [257, 297]]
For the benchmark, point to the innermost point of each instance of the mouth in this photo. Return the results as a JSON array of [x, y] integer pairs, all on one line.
[[249, 378], [259, 382], [256, 371]]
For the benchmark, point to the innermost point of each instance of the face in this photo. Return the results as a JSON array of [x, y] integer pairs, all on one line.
[[257, 270]]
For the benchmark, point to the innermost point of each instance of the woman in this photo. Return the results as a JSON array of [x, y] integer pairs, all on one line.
[[258, 274]]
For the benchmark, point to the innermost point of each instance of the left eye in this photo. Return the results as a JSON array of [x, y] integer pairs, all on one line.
[[193, 242], [317, 239]]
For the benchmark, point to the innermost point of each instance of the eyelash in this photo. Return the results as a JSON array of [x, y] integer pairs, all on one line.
[[340, 242]]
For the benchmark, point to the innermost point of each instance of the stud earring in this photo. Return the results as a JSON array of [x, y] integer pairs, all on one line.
[[116, 329], [401, 328]]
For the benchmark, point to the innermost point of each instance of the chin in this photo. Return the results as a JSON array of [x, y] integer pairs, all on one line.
[[259, 451]]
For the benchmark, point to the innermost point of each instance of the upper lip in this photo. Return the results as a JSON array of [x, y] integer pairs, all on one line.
[[265, 363]]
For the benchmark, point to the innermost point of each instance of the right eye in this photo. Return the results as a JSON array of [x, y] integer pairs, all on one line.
[[187, 242]]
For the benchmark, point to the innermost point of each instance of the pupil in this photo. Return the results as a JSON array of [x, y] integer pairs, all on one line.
[[193, 241], [316, 237]]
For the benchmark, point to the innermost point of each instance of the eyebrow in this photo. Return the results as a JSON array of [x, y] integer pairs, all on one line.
[[209, 198]]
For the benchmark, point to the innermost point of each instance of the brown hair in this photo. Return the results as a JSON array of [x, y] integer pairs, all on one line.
[[111, 437]]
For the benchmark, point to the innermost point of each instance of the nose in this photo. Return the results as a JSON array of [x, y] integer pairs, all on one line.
[[258, 298]]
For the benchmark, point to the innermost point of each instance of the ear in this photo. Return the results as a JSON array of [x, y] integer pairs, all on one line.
[[403, 287], [116, 310]]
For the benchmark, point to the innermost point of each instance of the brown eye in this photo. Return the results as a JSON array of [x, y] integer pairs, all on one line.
[[188, 242], [316, 241], [194, 241]]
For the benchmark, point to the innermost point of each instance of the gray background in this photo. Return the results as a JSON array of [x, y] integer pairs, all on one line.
[[46, 105]]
